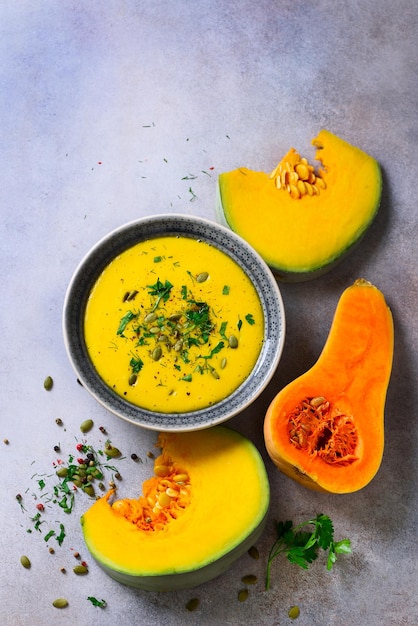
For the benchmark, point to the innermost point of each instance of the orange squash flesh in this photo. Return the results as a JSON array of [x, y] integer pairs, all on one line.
[[326, 428]]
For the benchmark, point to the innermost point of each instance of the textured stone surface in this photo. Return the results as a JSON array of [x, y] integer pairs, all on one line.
[[114, 110]]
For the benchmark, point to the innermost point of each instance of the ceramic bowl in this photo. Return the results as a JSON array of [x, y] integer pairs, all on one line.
[[218, 236]]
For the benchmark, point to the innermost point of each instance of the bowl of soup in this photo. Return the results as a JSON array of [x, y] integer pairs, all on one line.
[[173, 323]]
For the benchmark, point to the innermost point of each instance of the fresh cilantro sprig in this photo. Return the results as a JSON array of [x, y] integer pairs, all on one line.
[[301, 546]]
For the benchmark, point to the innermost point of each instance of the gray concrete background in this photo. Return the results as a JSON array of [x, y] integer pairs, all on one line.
[[115, 110]]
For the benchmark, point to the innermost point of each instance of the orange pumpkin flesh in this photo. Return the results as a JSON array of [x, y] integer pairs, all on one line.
[[326, 428]]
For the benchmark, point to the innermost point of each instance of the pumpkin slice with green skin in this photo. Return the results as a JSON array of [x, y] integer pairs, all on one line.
[[326, 428], [304, 221], [205, 506]]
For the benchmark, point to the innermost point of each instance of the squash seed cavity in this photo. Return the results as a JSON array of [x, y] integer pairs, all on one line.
[[323, 431], [297, 177]]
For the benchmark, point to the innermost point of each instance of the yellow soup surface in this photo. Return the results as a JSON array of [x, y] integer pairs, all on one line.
[[173, 325]]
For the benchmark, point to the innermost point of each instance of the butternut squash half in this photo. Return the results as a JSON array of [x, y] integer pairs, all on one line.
[[303, 220], [205, 506], [326, 428]]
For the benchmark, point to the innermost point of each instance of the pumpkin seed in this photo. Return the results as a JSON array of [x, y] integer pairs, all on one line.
[[62, 472], [86, 426], [154, 330], [223, 363], [48, 383], [80, 570], [89, 490], [249, 579], [160, 470], [202, 277], [243, 595], [214, 373], [112, 451], [254, 553], [132, 379], [192, 604], [25, 561], [151, 317], [156, 353], [233, 342], [294, 612], [60, 603]]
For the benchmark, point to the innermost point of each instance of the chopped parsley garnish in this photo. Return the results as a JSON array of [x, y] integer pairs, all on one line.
[[128, 317], [95, 602], [250, 319]]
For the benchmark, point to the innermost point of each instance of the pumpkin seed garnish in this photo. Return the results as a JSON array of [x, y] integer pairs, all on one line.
[[202, 277], [233, 342], [25, 561], [132, 379], [86, 426], [294, 612], [48, 383], [60, 603], [156, 353], [80, 570]]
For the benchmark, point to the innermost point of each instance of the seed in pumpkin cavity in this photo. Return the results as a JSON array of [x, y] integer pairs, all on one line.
[[160, 470], [317, 401], [302, 171], [180, 478], [163, 499], [172, 493], [301, 187], [320, 182], [294, 192]]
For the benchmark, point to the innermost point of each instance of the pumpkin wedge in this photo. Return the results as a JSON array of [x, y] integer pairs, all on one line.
[[205, 506], [326, 428], [302, 220]]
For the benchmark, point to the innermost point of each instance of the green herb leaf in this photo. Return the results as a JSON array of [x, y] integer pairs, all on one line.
[[250, 319], [128, 317], [225, 290], [95, 602], [301, 547]]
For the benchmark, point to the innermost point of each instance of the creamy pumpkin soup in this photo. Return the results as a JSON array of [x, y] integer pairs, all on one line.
[[173, 325]]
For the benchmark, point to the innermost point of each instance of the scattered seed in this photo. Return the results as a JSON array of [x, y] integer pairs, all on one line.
[[134, 456], [60, 603], [112, 451], [102, 429], [233, 342], [243, 595], [51, 550], [25, 561], [254, 553], [48, 383], [202, 277], [80, 570], [6, 441], [86, 426], [76, 555], [192, 604], [63, 570], [58, 421], [89, 490], [294, 612], [249, 579]]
